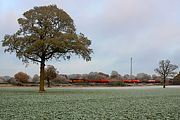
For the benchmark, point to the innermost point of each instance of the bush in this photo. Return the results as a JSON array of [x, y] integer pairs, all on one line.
[[116, 83], [21, 77]]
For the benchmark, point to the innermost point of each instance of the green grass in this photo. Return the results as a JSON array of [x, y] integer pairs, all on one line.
[[89, 104]]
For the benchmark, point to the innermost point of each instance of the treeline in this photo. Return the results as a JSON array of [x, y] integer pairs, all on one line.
[[53, 77]]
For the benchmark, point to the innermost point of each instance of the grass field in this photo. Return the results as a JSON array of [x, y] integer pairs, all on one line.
[[90, 104]]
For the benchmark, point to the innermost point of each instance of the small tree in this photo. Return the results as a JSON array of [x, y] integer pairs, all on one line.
[[47, 32], [165, 70], [143, 76], [155, 77], [21, 77], [50, 73], [114, 75], [97, 76], [35, 78]]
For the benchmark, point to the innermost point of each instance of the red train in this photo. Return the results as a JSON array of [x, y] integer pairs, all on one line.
[[108, 81], [89, 81], [131, 81]]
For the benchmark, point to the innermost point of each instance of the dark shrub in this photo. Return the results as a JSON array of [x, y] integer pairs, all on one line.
[[116, 83]]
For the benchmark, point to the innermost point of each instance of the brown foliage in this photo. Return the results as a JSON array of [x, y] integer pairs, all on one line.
[[21, 77]]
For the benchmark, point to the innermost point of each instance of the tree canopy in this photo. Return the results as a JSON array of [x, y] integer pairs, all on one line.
[[21, 77], [47, 32]]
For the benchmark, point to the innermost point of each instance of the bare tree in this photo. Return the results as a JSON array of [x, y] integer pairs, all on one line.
[[165, 70]]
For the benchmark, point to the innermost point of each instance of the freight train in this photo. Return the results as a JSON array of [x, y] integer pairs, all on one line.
[[109, 81]]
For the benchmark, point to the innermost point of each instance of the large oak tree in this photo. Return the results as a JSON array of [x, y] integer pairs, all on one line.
[[46, 32]]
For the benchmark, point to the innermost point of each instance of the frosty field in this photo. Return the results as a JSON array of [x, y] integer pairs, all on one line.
[[90, 104]]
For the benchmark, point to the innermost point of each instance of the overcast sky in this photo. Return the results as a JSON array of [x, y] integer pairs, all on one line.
[[147, 30]]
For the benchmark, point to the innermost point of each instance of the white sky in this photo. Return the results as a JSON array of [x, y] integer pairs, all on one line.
[[147, 30]]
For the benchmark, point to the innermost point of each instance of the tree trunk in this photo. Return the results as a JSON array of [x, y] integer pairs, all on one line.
[[164, 82], [42, 77], [48, 82]]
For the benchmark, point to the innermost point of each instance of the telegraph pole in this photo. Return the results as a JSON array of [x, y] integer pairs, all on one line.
[[131, 69]]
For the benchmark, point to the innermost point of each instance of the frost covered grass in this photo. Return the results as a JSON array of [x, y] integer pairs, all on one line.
[[90, 104]]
